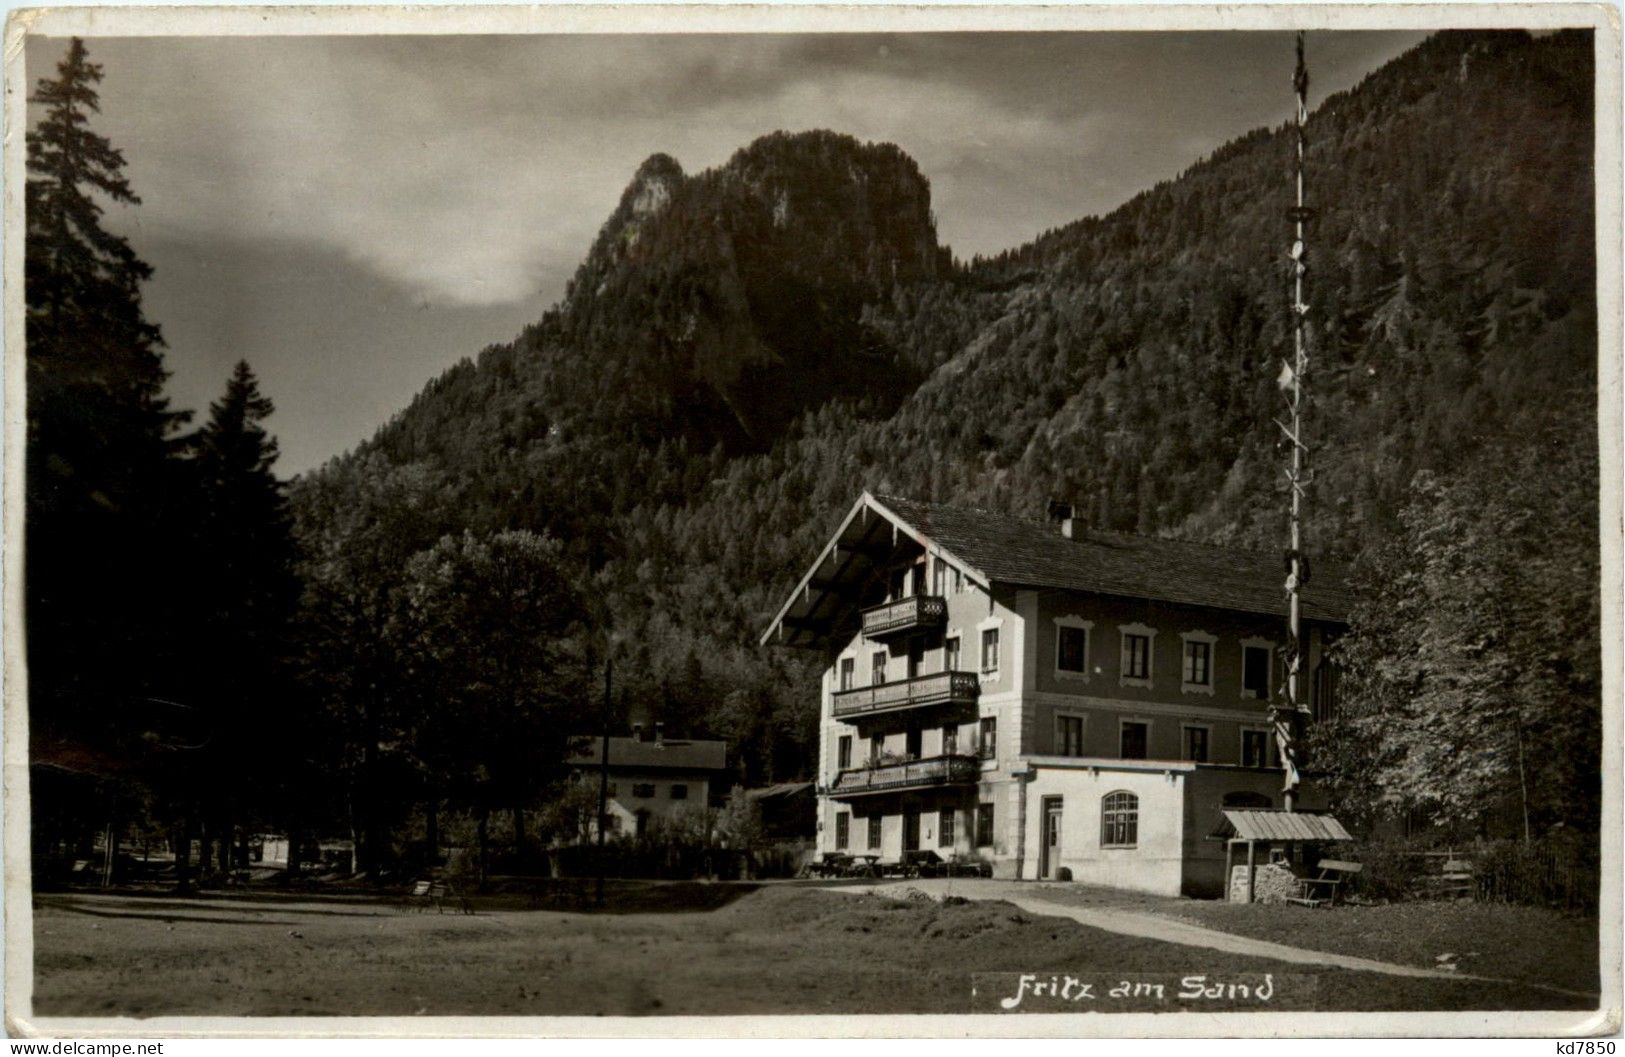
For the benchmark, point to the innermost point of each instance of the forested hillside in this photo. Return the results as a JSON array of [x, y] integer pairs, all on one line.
[[744, 350]]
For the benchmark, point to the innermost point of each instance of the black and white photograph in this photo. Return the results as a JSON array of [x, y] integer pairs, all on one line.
[[999, 515]]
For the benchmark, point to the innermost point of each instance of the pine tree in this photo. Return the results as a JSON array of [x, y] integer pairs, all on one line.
[[85, 327], [102, 484], [245, 595]]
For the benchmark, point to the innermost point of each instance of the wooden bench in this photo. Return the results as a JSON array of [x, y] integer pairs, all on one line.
[[1322, 888], [1455, 881], [425, 894]]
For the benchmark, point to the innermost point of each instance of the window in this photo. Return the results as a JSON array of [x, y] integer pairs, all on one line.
[[1255, 748], [874, 832], [1246, 799], [1255, 672], [956, 579], [848, 671], [987, 738], [644, 790], [916, 580], [1137, 663], [643, 821], [1325, 691], [950, 654], [945, 828], [679, 791], [1133, 739], [1196, 739], [950, 740], [1137, 656], [990, 650], [843, 752], [913, 743], [1196, 672], [843, 829], [1119, 820], [1069, 735], [916, 657], [877, 745], [609, 790], [984, 825], [939, 576], [877, 668], [1072, 648]]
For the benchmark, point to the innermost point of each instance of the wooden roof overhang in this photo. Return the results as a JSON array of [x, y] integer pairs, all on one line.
[[1270, 825], [848, 575]]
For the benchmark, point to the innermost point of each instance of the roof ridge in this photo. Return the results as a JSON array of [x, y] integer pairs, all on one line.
[[1040, 523]]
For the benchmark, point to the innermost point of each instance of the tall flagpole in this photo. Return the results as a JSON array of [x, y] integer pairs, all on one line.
[[1286, 712]]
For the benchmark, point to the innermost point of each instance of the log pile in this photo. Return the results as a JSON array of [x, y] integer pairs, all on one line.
[[1275, 883]]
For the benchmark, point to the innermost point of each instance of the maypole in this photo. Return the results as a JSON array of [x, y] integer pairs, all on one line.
[[1286, 710]]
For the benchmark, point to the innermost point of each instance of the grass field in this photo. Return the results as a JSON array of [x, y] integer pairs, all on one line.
[[695, 949]]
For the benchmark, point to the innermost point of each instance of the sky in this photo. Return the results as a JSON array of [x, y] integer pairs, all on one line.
[[352, 215]]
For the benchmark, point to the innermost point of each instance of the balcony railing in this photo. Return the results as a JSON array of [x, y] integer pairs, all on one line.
[[942, 688], [910, 774], [917, 613]]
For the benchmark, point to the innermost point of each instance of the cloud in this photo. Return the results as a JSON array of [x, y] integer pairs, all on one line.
[[478, 190], [476, 170]]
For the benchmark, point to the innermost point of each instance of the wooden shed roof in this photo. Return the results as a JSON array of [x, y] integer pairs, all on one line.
[[1266, 825]]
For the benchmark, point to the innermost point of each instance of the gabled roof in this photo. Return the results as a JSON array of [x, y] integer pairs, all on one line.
[[997, 548], [636, 754], [782, 791], [1264, 824]]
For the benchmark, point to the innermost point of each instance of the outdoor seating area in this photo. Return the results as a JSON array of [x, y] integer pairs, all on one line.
[[918, 863], [1322, 889]]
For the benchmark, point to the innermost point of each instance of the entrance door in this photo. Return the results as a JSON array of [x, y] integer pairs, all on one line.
[[1049, 866], [911, 829]]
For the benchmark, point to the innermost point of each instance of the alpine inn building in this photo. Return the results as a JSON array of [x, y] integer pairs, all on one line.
[[1052, 702]]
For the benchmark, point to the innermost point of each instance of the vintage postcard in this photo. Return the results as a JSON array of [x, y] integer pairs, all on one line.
[[813, 520]]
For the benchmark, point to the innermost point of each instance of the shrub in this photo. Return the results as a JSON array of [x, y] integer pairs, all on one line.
[[1393, 869]]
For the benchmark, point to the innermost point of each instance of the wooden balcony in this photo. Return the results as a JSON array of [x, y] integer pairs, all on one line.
[[893, 777], [918, 613], [942, 688]]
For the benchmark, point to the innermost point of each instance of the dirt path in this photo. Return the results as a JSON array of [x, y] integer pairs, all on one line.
[[1171, 930]]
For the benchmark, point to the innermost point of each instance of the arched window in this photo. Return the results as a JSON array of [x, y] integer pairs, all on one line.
[[1119, 820], [1246, 799]]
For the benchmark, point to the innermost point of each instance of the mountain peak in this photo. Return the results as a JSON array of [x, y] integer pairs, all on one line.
[[652, 186]]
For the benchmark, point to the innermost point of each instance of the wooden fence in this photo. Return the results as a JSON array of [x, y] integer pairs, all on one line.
[[1540, 873]]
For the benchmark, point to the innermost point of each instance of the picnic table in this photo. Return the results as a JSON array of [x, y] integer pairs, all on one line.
[[831, 864], [867, 865]]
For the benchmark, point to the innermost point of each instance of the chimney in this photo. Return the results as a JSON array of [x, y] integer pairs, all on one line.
[[660, 732], [1061, 514], [637, 732]]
